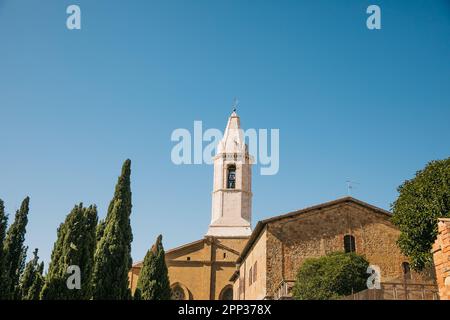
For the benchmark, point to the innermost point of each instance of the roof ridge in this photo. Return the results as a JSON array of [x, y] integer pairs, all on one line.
[[261, 224]]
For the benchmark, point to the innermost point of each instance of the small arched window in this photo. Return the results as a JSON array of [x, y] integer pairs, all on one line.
[[349, 243], [178, 293], [231, 177], [406, 270], [227, 293]]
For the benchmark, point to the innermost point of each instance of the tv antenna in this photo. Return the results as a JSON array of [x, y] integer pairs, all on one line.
[[350, 186]]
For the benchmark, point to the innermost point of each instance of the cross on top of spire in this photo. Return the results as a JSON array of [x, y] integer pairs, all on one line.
[[235, 104]]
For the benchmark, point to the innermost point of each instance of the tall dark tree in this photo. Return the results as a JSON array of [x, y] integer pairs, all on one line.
[[112, 260], [153, 283], [421, 201], [32, 280], [3, 226], [15, 252], [137, 294], [75, 245]]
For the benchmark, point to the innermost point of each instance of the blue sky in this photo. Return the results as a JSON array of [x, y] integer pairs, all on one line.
[[350, 103]]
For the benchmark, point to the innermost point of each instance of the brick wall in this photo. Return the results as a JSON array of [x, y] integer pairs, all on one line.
[[251, 284], [202, 268], [441, 256], [312, 234]]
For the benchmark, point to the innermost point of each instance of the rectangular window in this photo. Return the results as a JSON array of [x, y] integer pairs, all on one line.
[[255, 268], [349, 243]]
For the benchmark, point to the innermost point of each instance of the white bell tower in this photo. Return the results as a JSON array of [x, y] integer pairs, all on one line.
[[232, 192]]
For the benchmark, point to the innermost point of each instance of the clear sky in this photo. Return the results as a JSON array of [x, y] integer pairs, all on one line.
[[350, 103]]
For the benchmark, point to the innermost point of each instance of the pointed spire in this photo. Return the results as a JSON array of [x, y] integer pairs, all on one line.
[[233, 140]]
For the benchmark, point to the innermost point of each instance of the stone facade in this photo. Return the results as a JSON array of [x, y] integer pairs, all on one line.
[[251, 284], [200, 270], [231, 262], [441, 256], [282, 243]]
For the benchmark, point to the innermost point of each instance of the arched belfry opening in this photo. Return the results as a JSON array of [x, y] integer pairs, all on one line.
[[231, 177]]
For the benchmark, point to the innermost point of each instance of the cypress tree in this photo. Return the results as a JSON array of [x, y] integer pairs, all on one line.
[[15, 252], [3, 226], [100, 230], [112, 260], [32, 279], [38, 283], [75, 245], [153, 283], [137, 294]]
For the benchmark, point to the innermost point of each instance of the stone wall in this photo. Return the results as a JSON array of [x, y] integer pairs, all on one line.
[[251, 284], [202, 269], [315, 233], [441, 256]]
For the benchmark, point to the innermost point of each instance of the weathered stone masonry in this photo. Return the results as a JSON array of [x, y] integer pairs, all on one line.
[[319, 230], [441, 255]]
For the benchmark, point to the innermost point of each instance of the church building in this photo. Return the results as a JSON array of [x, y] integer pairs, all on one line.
[[232, 262], [201, 269]]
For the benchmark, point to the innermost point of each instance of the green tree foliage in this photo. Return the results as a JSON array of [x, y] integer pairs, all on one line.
[[153, 283], [331, 277], [421, 201], [100, 230], [137, 294], [75, 245], [3, 226], [112, 260], [32, 280], [15, 252]]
